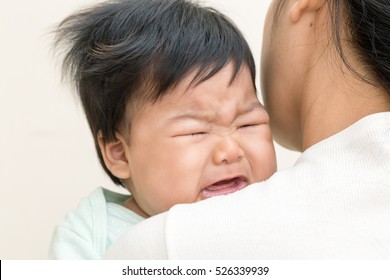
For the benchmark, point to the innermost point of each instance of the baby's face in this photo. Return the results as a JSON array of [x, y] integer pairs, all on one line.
[[211, 139]]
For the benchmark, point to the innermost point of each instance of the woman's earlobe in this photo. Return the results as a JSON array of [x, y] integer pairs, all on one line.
[[301, 6], [115, 156]]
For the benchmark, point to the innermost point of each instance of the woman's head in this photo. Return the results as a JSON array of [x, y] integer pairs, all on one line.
[[309, 44]]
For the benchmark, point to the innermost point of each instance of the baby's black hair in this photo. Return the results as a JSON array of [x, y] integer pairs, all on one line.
[[121, 52]]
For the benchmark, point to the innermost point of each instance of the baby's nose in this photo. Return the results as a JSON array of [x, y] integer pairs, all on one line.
[[227, 150]]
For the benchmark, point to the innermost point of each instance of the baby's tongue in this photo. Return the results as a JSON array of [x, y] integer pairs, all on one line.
[[224, 187]]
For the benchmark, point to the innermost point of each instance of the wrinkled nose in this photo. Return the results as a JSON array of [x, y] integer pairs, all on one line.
[[227, 150]]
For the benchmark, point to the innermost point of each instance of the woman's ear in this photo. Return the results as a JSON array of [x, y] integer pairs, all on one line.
[[303, 6], [115, 156]]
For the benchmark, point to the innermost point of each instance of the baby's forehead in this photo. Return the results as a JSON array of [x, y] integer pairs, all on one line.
[[191, 92], [195, 92]]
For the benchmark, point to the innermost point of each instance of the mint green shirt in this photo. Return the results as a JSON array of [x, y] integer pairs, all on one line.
[[88, 231]]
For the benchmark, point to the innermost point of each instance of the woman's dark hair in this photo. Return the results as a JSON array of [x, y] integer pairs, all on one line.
[[368, 23], [121, 52]]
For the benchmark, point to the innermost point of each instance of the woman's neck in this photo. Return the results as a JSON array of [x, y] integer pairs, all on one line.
[[334, 101]]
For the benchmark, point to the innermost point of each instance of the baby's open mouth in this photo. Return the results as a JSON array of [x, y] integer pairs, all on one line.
[[225, 187]]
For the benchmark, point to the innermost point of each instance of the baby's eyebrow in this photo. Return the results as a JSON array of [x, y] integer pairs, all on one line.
[[191, 115], [252, 106], [208, 116]]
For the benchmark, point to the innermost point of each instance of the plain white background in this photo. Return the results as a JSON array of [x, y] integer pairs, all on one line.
[[47, 157]]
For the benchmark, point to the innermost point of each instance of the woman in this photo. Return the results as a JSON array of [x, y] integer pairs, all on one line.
[[326, 84]]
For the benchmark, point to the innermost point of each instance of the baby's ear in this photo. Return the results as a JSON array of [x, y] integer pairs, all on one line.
[[114, 156]]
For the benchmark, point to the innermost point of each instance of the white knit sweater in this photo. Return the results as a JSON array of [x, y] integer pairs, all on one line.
[[334, 203]]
